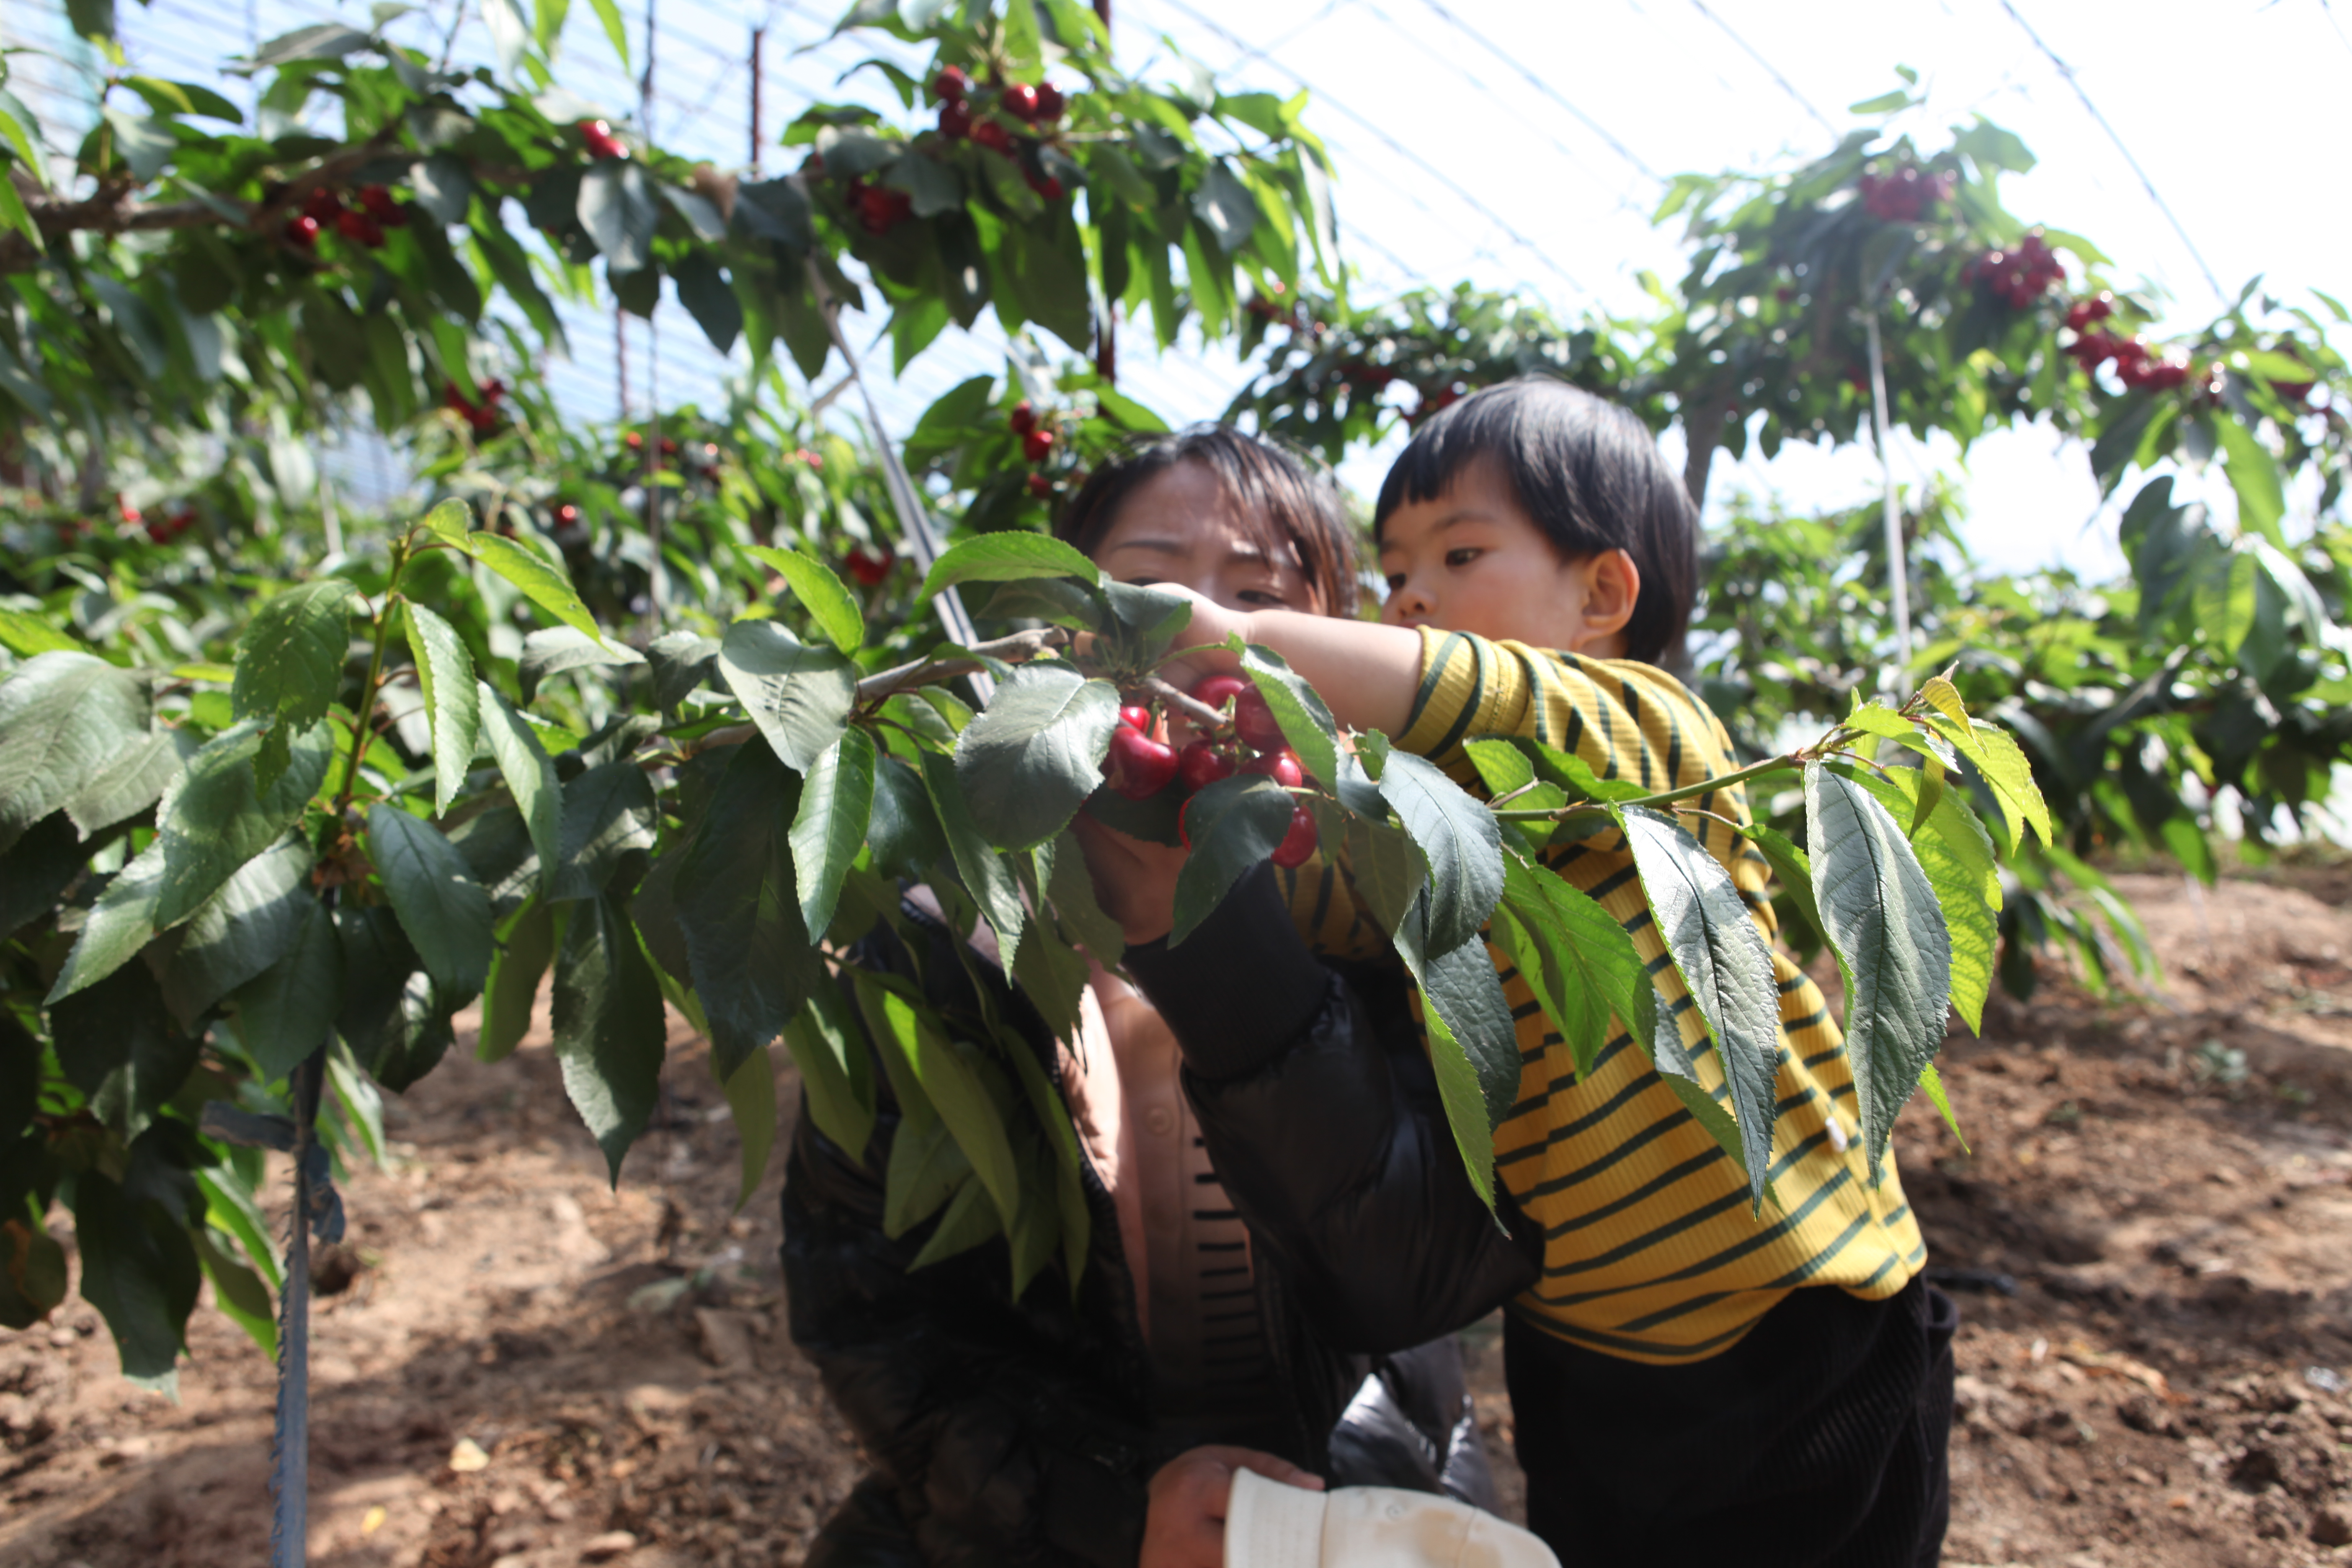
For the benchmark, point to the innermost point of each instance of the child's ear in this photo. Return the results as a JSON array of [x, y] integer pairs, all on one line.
[[1612, 587]]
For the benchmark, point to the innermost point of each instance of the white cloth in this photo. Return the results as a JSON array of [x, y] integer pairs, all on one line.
[[1270, 1525]]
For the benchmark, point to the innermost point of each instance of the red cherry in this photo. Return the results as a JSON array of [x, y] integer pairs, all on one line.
[[955, 121], [869, 565], [950, 84], [567, 514], [323, 204], [1298, 845], [1254, 721], [1040, 486], [1201, 764], [1036, 444], [1046, 186], [1135, 715], [1050, 102], [302, 232], [1219, 689], [381, 207], [992, 136], [1138, 767], [1021, 103], [669, 446], [1022, 418], [597, 136], [634, 439], [360, 228], [1281, 766]]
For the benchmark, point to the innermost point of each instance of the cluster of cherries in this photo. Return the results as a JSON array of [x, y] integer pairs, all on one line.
[[2137, 366], [1040, 105], [1036, 444], [869, 563], [162, 529], [361, 225], [483, 416], [1140, 766], [2017, 278], [597, 135], [1905, 196]]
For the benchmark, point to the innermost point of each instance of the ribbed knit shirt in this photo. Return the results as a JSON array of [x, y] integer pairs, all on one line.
[[1650, 1251]]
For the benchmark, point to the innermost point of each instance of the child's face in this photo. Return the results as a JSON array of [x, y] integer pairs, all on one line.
[[1472, 561]]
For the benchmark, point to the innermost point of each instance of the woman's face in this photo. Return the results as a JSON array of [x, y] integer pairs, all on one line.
[[1181, 528]]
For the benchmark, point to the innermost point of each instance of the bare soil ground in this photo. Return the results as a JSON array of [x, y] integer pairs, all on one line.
[[2151, 1238]]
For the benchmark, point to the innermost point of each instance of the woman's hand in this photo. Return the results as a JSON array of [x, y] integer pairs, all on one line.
[[1186, 1525], [1135, 882]]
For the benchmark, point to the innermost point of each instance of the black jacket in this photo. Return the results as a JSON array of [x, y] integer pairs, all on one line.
[[1021, 1431], [1321, 1112]]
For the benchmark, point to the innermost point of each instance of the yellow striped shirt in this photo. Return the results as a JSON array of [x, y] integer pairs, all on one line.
[[1651, 1252]]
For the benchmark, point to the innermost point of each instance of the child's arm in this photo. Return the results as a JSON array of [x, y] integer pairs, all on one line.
[[1368, 673]]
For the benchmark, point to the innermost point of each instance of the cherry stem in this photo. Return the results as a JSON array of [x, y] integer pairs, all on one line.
[[1192, 707]]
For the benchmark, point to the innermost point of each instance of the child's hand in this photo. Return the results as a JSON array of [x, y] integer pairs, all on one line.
[[1186, 1525], [1210, 623]]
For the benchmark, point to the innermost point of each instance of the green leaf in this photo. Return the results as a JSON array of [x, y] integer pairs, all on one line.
[[610, 1034], [837, 803], [836, 1073], [752, 961], [1459, 835], [451, 521], [984, 874], [242, 929], [29, 635], [608, 812], [1234, 825], [2225, 594], [238, 1290], [32, 1275], [1882, 919], [1932, 1082], [1957, 854], [1306, 722], [1052, 974], [117, 1043], [555, 649], [914, 1044], [138, 1269], [2254, 475], [1790, 864], [1574, 774], [135, 780], [830, 605], [1007, 557], [1225, 206], [1071, 888], [444, 913], [608, 12], [218, 819], [1389, 868], [682, 662], [121, 923], [543, 581], [1577, 958], [2005, 771], [1464, 1049], [290, 662], [529, 773], [616, 207], [284, 1013], [969, 1221], [513, 989], [444, 671], [1030, 758], [63, 717], [800, 696], [1724, 964]]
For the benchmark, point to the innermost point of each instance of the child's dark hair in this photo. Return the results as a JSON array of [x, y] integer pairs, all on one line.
[[1588, 473], [1288, 505]]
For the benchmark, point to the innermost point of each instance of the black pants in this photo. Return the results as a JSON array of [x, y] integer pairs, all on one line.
[[1818, 1441]]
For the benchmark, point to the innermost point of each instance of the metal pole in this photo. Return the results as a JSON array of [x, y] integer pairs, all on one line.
[[759, 38], [1107, 330], [1898, 574], [654, 594]]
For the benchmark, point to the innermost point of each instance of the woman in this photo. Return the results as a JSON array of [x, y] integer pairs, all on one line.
[[1105, 1430]]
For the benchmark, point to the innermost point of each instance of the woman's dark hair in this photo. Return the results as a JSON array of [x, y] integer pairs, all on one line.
[[1288, 507], [1588, 473]]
